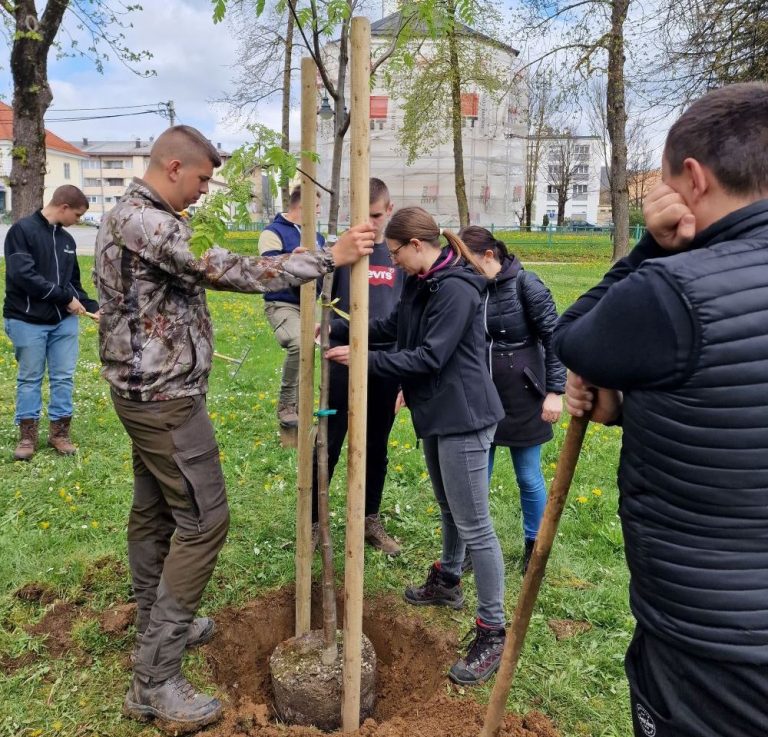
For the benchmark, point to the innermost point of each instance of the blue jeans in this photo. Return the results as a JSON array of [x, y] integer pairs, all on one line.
[[458, 469], [34, 347], [530, 479]]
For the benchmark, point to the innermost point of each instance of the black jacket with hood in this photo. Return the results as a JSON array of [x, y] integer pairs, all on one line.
[[42, 275], [440, 350]]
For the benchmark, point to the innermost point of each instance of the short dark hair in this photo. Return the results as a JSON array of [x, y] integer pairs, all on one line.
[[727, 131], [182, 142], [379, 191], [295, 197], [69, 195]]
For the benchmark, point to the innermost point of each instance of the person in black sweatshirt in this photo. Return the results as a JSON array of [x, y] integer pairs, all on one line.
[[43, 297], [674, 347], [439, 359], [385, 284]]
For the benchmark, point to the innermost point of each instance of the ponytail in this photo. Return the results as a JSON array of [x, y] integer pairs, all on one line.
[[461, 251]]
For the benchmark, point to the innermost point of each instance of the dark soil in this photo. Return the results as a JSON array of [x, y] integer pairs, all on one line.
[[567, 628]]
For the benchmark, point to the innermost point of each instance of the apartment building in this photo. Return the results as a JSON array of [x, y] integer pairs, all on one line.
[[569, 172], [64, 161], [493, 139]]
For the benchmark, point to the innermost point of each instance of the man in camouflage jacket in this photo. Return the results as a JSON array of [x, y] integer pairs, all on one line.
[[156, 347]]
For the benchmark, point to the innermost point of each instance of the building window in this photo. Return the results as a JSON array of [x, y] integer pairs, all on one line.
[[470, 104], [115, 182], [109, 199], [579, 188], [581, 150], [581, 169], [379, 107], [91, 164], [67, 171], [94, 199], [114, 164], [429, 194], [90, 182]]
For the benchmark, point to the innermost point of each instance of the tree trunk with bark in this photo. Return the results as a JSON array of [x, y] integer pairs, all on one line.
[[617, 129], [340, 126], [31, 99], [286, 108], [458, 144]]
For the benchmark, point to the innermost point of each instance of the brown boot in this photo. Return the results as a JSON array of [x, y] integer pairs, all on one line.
[[287, 415], [27, 440], [376, 536], [58, 437]]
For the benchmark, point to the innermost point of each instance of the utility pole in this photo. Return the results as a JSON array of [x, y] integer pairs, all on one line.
[[170, 111]]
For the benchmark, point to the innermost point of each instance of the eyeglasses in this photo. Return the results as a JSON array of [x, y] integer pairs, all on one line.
[[393, 254]]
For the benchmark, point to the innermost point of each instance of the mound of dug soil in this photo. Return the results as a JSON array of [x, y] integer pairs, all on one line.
[[415, 698]]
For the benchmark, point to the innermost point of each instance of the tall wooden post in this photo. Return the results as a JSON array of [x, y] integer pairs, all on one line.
[[306, 355], [359, 185]]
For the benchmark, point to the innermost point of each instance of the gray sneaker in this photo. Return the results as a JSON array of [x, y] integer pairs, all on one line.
[[200, 631], [174, 700], [376, 536]]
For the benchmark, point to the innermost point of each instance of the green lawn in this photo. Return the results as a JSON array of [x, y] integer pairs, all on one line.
[[579, 246], [62, 524]]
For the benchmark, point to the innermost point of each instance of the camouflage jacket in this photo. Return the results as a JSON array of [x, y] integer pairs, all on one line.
[[155, 335]]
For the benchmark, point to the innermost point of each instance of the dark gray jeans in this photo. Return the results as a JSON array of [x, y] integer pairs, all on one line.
[[458, 469]]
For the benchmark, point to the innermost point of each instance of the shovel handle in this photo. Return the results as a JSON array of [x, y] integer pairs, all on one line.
[[558, 493]]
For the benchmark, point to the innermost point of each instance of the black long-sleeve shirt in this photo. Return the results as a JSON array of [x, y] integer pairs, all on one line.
[[632, 329]]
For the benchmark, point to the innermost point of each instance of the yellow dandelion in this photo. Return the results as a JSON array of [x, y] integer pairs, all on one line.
[[398, 468], [95, 524], [62, 493], [406, 445], [262, 396], [582, 499], [597, 492], [57, 726], [430, 509], [564, 425], [394, 443], [424, 475], [45, 525], [553, 465], [68, 498], [73, 508]]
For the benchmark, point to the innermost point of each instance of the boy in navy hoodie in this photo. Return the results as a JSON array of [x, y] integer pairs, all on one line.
[[283, 235]]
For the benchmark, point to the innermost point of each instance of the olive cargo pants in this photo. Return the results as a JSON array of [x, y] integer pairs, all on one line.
[[178, 522]]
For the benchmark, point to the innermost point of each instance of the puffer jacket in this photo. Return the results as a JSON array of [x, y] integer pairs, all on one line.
[[520, 316], [155, 334]]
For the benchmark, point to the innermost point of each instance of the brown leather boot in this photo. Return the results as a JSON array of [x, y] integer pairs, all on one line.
[[58, 437], [27, 440], [376, 536]]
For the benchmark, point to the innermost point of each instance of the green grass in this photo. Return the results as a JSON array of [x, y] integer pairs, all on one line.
[[62, 523], [581, 247]]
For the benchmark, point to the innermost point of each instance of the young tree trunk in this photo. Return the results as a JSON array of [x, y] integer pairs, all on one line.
[[340, 126], [561, 208], [31, 99], [458, 145], [617, 129], [286, 111]]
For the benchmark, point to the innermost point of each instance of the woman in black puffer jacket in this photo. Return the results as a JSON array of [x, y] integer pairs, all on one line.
[[520, 316]]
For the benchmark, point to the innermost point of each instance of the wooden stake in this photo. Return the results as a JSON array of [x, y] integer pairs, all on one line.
[[306, 355], [558, 493], [359, 186]]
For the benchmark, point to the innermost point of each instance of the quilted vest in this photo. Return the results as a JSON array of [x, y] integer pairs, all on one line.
[[694, 466]]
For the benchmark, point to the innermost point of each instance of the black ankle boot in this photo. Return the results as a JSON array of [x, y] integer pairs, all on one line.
[[527, 552]]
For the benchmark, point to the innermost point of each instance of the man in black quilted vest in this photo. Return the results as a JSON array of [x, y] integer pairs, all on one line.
[[676, 336]]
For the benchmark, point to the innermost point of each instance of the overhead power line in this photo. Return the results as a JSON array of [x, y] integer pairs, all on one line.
[[100, 117], [115, 107]]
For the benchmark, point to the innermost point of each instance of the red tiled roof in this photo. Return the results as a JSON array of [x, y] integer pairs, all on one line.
[[52, 141]]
